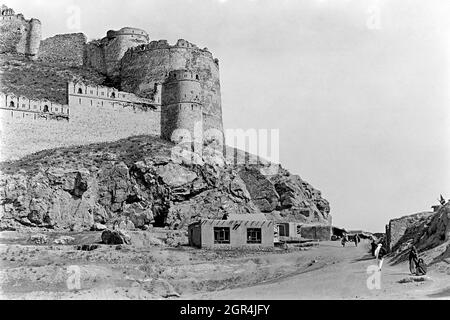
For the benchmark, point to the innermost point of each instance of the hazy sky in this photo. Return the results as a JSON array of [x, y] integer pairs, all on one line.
[[358, 89]]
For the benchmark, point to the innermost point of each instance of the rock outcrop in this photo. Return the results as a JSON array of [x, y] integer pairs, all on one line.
[[135, 180], [430, 233]]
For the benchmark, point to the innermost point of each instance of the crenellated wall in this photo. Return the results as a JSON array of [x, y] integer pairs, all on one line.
[[18, 107], [93, 114], [145, 65]]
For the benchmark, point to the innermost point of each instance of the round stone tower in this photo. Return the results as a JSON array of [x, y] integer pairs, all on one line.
[[34, 38], [182, 110], [117, 43]]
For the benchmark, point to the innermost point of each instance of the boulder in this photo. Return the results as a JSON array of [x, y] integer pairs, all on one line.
[[64, 240], [98, 227], [175, 175], [115, 237], [39, 239]]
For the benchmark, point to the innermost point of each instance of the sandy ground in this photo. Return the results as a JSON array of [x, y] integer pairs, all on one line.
[[146, 271]]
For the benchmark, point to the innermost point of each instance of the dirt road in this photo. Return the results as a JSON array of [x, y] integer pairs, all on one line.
[[345, 278], [147, 270]]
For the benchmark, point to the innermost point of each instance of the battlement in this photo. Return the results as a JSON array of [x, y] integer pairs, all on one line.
[[108, 96], [183, 74], [127, 31], [22, 107], [163, 44]]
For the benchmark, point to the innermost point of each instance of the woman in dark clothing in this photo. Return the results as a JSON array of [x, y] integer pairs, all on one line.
[[373, 247], [416, 265]]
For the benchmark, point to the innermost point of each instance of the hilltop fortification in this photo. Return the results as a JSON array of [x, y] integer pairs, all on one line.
[[131, 65], [145, 65], [105, 55], [18, 34]]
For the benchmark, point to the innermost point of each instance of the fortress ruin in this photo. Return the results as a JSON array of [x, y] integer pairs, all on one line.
[[169, 90]]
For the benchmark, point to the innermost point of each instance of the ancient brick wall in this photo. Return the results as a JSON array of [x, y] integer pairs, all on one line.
[[95, 56], [67, 49], [146, 65]]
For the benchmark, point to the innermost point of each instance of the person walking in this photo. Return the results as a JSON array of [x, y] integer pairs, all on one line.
[[356, 239], [344, 240], [413, 259], [380, 252], [373, 247]]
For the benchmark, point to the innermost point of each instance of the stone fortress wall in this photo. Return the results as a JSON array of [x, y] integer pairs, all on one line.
[[18, 34], [105, 55], [67, 49], [93, 114], [140, 68], [145, 65], [22, 108]]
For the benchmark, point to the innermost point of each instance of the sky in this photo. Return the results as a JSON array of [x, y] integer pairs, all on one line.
[[358, 89]]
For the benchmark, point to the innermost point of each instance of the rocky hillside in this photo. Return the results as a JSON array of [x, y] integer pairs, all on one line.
[[74, 188], [40, 80], [431, 236]]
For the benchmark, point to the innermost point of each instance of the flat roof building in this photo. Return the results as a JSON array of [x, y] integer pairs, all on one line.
[[250, 231]]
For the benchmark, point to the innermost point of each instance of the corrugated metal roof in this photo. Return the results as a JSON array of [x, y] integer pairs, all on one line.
[[247, 217]]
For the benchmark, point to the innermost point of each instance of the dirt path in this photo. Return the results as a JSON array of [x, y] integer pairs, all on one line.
[[345, 278], [143, 271]]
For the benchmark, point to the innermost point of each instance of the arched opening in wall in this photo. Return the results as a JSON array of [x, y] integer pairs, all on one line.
[[46, 108], [11, 104], [80, 91], [113, 95], [196, 77]]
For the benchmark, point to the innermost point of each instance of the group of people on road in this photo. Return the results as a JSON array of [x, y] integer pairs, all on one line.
[[416, 265], [356, 240]]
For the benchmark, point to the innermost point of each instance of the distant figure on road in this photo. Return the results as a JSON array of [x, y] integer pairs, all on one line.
[[356, 239], [344, 240], [373, 247], [380, 252]]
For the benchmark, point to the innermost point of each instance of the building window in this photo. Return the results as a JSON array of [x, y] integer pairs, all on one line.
[[282, 232], [92, 92], [23, 105], [80, 91], [103, 93], [254, 235], [113, 95], [11, 104], [34, 107], [46, 108], [56, 110], [222, 235], [79, 101]]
